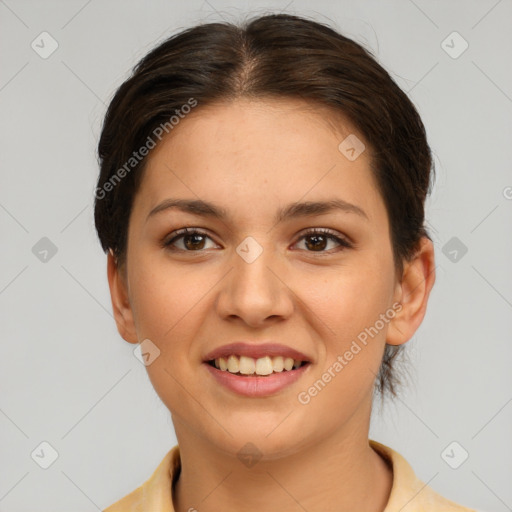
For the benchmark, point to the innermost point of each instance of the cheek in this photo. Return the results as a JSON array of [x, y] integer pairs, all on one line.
[[354, 306], [165, 302], [352, 347], [350, 300], [168, 307]]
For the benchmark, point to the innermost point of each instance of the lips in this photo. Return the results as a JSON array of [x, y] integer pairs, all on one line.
[[256, 370], [254, 385]]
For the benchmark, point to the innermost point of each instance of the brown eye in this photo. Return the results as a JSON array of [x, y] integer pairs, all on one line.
[[317, 240], [194, 241], [191, 240]]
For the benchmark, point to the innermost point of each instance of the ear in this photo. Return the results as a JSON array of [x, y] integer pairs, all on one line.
[[120, 302], [412, 293]]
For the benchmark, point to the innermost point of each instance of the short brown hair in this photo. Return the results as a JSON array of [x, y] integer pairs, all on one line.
[[276, 55]]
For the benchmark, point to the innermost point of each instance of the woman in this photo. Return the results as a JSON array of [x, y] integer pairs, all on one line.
[[261, 199]]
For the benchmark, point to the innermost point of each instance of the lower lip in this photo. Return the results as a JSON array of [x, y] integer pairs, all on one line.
[[253, 386]]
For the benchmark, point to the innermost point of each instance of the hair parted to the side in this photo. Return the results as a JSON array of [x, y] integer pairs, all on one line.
[[276, 55]]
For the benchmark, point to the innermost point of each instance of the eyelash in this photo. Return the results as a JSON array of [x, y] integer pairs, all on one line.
[[343, 242]]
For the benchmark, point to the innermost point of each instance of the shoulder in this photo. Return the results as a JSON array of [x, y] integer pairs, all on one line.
[[408, 492], [156, 492]]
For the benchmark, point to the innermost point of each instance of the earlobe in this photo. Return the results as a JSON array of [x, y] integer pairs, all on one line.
[[412, 293], [121, 307]]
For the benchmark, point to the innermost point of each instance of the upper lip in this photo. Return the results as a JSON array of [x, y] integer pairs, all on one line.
[[256, 350]]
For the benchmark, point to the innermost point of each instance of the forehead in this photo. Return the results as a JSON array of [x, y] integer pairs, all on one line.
[[264, 151]]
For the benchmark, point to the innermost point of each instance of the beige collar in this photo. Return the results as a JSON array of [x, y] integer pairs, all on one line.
[[408, 493]]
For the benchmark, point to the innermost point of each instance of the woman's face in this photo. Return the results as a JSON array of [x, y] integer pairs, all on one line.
[[252, 277]]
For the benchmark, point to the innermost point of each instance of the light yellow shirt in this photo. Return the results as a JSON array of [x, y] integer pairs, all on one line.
[[408, 493]]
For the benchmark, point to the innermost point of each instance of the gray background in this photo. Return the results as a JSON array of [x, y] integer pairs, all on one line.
[[66, 376]]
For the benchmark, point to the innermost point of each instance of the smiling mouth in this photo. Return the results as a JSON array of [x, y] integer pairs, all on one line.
[[261, 367]]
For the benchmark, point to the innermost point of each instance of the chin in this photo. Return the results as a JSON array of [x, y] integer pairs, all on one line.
[[268, 438]]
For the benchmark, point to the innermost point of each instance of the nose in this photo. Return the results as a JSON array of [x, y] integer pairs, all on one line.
[[255, 292]]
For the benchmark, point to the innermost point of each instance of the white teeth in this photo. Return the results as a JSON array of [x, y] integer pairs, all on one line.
[[288, 363], [262, 366], [278, 363], [233, 364], [247, 365]]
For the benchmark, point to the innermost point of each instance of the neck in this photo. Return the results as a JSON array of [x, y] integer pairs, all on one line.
[[340, 472]]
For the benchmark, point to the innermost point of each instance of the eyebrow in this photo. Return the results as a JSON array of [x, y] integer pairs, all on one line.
[[291, 211]]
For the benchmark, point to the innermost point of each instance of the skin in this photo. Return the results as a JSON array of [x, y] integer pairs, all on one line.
[[252, 158]]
